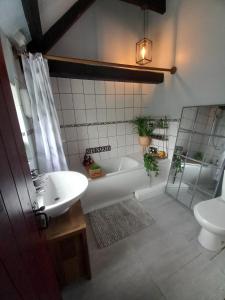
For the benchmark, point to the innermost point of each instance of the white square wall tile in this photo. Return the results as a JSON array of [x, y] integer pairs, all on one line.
[[137, 88], [93, 143], [111, 115], [71, 133], [91, 115], [137, 112], [89, 87], [129, 129], [74, 162], [90, 101], [111, 129], [121, 140], [104, 155], [146, 89], [129, 89], [60, 117], [100, 101], [77, 86], [120, 114], [129, 149], [68, 117], [103, 141], [83, 145], [129, 101], [78, 101], [120, 101], [57, 101], [110, 87], [66, 101], [120, 129], [80, 115], [102, 131], [113, 153], [54, 85], [101, 115], [129, 139], [93, 132], [72, 147], [121, 151], [112, 141], [119, 87], [129, 114], [99, 87], [82, 133], [110, 101], [64, 85], [137, 100]]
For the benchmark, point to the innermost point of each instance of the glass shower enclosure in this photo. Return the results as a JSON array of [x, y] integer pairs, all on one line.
[[199, 157]]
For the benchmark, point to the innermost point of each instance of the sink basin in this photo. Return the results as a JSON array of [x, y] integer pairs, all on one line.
[[61, 190]]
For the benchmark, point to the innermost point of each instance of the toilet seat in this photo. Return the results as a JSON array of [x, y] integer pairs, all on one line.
[[211, 213]]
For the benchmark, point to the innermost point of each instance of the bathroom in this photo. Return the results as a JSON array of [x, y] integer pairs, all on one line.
[[91, 207]]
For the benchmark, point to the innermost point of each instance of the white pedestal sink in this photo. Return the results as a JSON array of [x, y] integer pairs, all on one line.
[[60, 191]]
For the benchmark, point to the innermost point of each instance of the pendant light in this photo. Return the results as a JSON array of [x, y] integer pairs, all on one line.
[[144, 47]]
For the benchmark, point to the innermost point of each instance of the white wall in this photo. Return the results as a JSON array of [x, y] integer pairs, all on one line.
[[107, 31], [190, 35]]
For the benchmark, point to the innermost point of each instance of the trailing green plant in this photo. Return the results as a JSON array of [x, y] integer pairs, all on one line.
[[143, 126], [151, 164], [198, 156], [162, 123], [94, 166], [177, 163]]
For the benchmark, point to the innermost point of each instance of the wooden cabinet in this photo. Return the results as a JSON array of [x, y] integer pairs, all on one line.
[[67, 241]]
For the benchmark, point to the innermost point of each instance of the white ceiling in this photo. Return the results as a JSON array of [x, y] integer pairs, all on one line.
[[12, 16], [52, 10]]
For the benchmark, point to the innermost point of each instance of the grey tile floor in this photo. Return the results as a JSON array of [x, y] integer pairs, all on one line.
[[163, 261]]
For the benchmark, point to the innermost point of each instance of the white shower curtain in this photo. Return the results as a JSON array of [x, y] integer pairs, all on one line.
[[50, 153]]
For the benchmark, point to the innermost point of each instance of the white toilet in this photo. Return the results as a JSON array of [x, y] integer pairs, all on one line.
[[210, 215]]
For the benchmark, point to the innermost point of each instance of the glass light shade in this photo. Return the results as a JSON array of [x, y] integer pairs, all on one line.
[[143, 51]]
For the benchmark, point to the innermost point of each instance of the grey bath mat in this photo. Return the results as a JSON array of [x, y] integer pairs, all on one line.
[[116, 222]]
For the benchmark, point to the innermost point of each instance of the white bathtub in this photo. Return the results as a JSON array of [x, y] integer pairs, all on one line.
[[124, 176]]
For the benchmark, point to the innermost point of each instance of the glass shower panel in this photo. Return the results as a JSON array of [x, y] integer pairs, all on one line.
[[198, 143], [182, 142], [205, 119], [199, 155], [188, 117], [209, 178], [200, 196]]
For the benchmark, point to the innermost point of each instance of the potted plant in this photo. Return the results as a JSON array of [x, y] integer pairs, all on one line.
[[145, 129], [95, 170], [151, 164]]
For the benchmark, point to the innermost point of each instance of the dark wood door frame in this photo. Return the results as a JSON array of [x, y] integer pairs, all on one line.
[[17, 194]]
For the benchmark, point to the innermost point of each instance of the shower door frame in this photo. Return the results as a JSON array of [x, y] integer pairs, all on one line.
[[202, 162]]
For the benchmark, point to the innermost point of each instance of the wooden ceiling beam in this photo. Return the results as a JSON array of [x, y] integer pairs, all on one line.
[[61, 26], [31, 12], [158, 6], [84, 69]]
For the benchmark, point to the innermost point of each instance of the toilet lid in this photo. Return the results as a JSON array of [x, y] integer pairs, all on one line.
[[212, 211]]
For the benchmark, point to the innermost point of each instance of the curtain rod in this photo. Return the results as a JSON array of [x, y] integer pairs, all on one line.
[[109, 64], [171, 70]]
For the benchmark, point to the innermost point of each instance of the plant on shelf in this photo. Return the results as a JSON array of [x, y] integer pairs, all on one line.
[[144, 128], [163, 123], [151, 164], [177, 163], [198, 156]]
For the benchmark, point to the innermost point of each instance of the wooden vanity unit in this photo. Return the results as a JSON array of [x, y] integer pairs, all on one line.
[[67, 242]]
